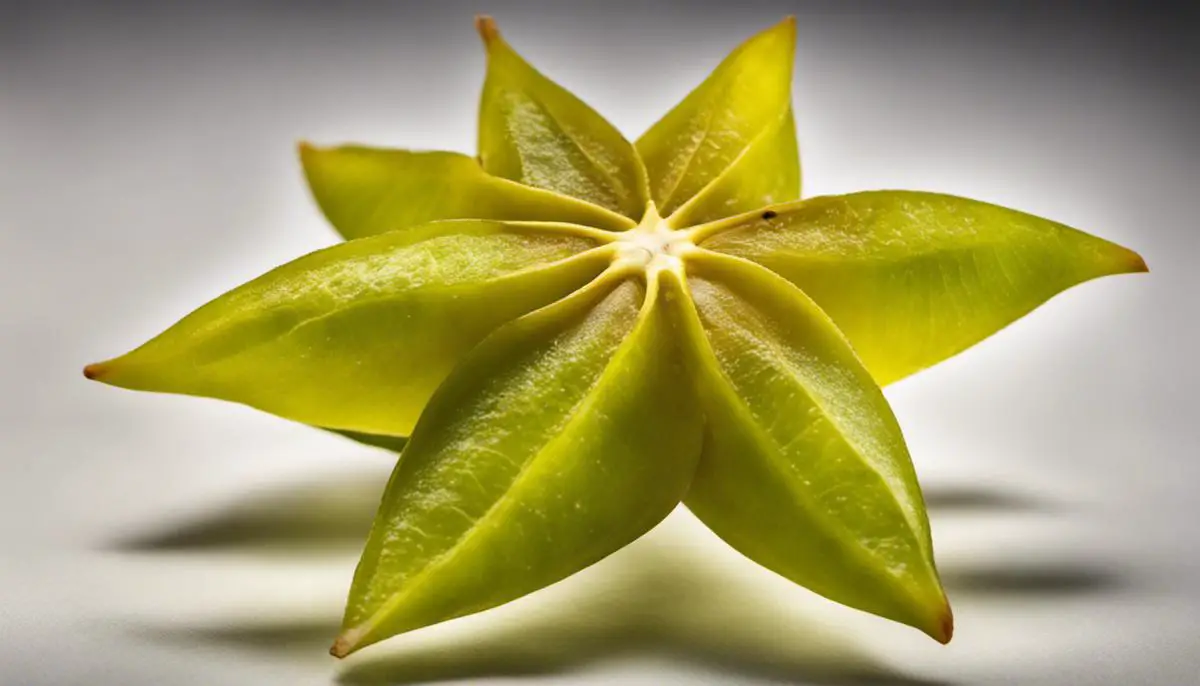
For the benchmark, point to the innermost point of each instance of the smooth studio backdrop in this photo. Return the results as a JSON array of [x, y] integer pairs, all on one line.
[[147, 164]]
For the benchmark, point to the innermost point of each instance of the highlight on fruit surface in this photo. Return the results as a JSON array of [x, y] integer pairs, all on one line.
[[569, 334]]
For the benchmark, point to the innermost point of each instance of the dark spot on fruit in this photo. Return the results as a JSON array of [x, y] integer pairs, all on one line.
[[770, 214]]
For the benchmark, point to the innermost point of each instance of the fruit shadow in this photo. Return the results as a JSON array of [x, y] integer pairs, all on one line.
[[337, 515], [656, 599], [332, 514]]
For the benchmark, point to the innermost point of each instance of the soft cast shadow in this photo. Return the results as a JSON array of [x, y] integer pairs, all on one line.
[[1051, 581], [337, 513], [981, 499], [652, 599], [327, 514], [655, 600], [280, 636]]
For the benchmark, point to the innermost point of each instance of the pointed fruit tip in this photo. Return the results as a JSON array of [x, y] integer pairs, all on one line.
[[783, 31], [307, 152], [945, 626], [349, 641], [1137, 264], [1106, 258], [1122, 260], [95, 371], [340, 648], [487, 28], [786, 25]]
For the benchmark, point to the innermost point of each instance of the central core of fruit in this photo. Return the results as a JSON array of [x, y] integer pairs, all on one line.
[[653, 245]]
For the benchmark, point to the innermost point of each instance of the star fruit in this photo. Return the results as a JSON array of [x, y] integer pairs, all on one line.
[[577, 333]]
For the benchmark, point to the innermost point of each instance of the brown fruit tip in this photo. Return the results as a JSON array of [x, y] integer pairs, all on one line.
[[945, 627], [787, 25], [341, 648], [487, 28], [95, 371], [1137, 264], [349, 641]]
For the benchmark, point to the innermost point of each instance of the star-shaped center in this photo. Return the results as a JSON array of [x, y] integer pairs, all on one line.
[[653, 245]]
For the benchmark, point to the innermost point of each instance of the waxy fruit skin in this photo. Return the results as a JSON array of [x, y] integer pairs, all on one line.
[[570, 334]]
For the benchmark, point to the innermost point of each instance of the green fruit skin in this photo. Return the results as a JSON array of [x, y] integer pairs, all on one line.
[[358, 336], [804, 468], [913, 278], [368, 191], [564, 436]]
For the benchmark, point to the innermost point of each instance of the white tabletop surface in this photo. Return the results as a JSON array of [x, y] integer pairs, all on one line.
[[147, 164]]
